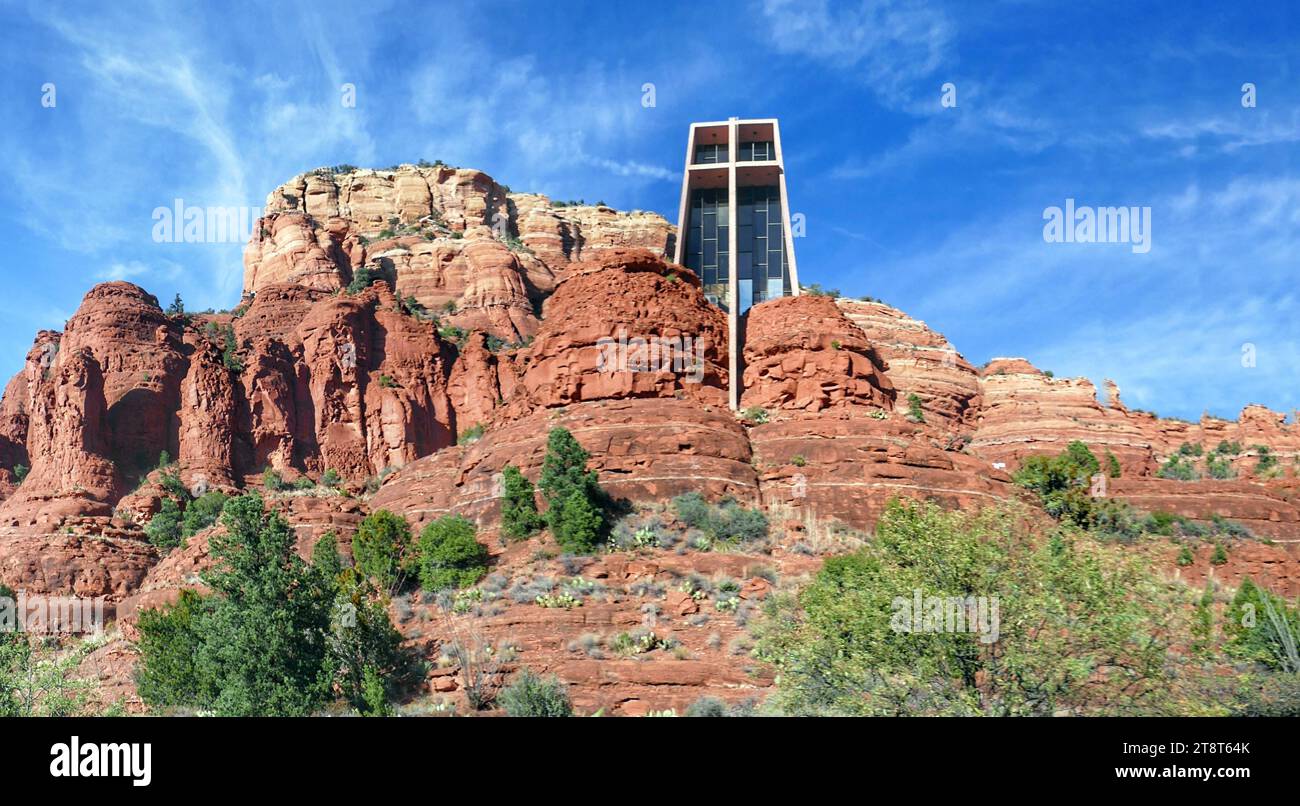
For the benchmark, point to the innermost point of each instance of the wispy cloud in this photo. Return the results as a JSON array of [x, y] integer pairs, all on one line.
[[889, 45]]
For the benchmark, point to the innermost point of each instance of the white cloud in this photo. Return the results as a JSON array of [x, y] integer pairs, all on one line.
[[890, 45]]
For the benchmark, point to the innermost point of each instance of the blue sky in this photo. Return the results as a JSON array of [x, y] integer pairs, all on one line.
[[936, 210]]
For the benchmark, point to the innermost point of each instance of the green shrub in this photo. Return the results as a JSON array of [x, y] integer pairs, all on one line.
[[1112, 465], [754, 415], [727, 522], [268, 641], [1062, 482], [846, 644], [450, 556], [707, 707], [1188, 449], [575, 502], [165, 530], [272, 480], [20, 472], [331, 478], [472, 434], [203, 511], [1261, 627], [533, 696], [519, 517], [1179, 470], [1185, 557], [230, 350], [1226, 448], [1220, 468], [914, 411], [379, 546], [1220, 555], [1265, 461]]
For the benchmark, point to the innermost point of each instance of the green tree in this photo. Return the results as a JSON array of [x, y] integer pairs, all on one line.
[[177, 307], [275, 638], [1112, 465], [166, 530], [519, 518], [167, 675], [325, 557], [1069, 608], [1062, 482], [379, 546], [450, 555], [264, 640], [575, 502], [365, 657]]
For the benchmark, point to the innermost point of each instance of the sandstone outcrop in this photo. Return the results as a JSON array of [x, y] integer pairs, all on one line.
[[803, 353]]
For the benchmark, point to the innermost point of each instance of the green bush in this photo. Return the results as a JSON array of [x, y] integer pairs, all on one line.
[[1112, 465], [275, 637], [203, 511], [575, 503], [272, 481], [519, 517], [533, 696], [450, 555], [379, 547], [1185, 557], [472, 434], [1261, 627], [1265, 461], [727, 522], [166, 529], [331, 478], [1062, 482], [914, 411], [20, 472], [1219, 468], [1220, 555], [1069, 607], [1178, 469], [754, 415]]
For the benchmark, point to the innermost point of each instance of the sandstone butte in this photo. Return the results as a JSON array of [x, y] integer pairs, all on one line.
[[484, 334]]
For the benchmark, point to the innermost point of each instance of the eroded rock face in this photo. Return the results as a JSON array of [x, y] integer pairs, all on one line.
[[72, 473], [626, 325], [1028, 412], [920, 361], [803, 353], [452, 239]]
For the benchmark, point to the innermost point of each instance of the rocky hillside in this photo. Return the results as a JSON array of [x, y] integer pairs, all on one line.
[[483, 333]]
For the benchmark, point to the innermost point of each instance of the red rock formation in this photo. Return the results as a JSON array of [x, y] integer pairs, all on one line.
[[922, 362], [643, 450], [67, 438], [803, 353], [617, 327]]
